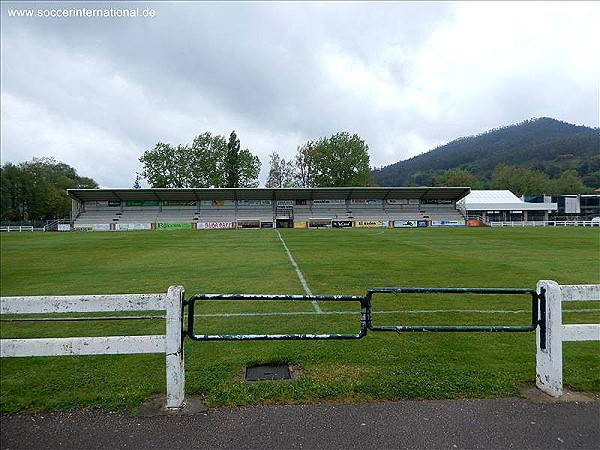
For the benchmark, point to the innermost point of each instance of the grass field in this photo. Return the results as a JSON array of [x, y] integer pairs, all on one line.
[[380, 366]]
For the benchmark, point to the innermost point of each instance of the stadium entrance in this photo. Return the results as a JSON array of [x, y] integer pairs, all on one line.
[[285, 223]]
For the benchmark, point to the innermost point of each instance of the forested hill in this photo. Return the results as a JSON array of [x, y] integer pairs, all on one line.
[[546, 145]]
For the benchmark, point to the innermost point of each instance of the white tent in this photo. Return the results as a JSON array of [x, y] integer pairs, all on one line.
[[501, 203]]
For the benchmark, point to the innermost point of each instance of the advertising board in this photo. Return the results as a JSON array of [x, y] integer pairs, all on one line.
[[447, 223], [133, 226], [370, 224], [405, 223], [329, 202], [341, 224], [373, 201], [215, 225], [172, 225]]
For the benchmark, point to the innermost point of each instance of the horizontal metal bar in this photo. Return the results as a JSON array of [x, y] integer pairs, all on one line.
[[458, 328], [411, 290], [273, 337], [275, 297]]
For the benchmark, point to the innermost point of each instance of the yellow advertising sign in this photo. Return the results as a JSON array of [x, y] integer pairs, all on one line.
[[367, 224]]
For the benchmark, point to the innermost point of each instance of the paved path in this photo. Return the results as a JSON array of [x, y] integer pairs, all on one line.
[[445, 424]]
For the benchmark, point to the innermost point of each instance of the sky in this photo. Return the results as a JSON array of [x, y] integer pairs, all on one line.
[[96, 92]]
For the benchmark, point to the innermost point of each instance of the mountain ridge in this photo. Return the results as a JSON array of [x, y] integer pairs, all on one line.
[[542, 144]]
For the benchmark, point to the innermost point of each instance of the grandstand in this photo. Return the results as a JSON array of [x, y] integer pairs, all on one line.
[[138, 209]]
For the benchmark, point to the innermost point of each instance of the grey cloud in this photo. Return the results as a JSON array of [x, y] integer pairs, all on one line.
[[264, 68]]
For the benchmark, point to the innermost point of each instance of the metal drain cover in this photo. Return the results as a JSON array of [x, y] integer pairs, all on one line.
[[264, 372]]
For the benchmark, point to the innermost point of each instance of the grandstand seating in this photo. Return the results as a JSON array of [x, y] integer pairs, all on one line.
[[264, 212]]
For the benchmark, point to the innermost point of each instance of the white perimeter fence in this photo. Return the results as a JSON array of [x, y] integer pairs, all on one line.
[[171, 343], [19, 228], [547, 223], [548, 360]]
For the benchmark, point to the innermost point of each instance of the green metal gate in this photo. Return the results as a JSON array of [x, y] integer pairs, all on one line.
[[366, 321]]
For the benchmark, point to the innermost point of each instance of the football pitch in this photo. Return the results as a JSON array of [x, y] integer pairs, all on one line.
[[385, 365]]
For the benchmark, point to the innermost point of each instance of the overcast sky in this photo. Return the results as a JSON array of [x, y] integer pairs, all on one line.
[[97, 92]]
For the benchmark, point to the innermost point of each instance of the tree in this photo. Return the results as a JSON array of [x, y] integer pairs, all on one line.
[[338, 161], [458, 177], [241, 167], [12, 199], [161, 166], [305, 164], [206, 161], [37, 189], [520, 180], [281, 172], [341, 160], [569, 182], [210, 161], [232, 161], [248, 169]]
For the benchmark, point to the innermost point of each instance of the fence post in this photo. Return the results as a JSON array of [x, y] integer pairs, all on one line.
[[174, 348], [548, 361]]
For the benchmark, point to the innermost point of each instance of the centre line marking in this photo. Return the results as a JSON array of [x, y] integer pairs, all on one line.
[[307, 290]]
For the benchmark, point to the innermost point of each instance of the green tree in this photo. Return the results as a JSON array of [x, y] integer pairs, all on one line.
[[281, 172], [208, 162], [161, 166], [13, 187], [569, 182], [305, 164], [520, 180], [458, 177], [341, 160], [232, 162], [37, 189], [592, 180], [248, 169]]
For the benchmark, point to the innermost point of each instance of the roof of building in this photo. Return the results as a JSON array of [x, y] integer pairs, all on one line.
[[347, 193], [501, 200]]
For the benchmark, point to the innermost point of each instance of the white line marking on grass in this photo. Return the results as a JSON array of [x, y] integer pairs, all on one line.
[[315, 304]]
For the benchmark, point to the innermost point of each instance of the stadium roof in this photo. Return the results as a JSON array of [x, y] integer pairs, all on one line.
[[348, 193]]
